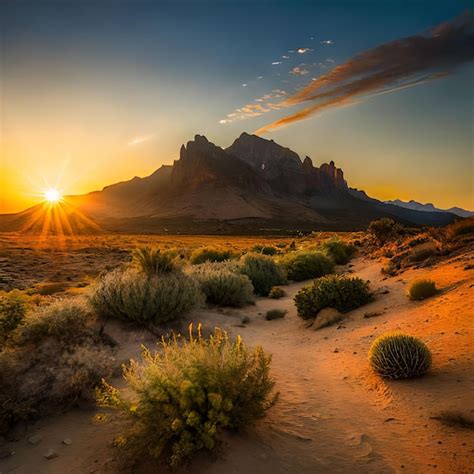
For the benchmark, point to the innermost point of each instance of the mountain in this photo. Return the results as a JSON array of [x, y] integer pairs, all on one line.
[[429, 207], [253, 186]]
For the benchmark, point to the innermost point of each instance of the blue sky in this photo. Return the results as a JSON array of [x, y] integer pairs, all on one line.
[[98, 92]]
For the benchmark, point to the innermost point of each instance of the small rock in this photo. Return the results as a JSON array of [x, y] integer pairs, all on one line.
[[389, 419], [336, 350], [51, 454], [245, 320], [35, 439], [67, 441], [6, 453]]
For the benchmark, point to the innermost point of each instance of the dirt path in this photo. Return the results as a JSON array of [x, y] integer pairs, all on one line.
[[333, 414]]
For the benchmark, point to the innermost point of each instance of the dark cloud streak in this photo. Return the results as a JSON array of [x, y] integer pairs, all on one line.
[[386, 68]]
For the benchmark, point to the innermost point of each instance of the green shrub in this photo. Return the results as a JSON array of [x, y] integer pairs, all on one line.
[[332, 291], [153, 261], [65, 320], [180, 398], [265, 249], [306, 264], [338, 251], [275, 314], [263, 271], [134, 296], [221, 286], [276, 293], [12, 313], [53, 359], [421, 289], [383, 229], [398, 356], [210, 254]]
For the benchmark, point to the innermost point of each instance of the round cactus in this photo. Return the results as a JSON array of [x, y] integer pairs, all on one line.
[[399, 356]]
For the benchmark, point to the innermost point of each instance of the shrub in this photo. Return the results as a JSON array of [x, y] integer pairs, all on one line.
[[210, 254], [327, 317], [52, 360], [153, 261], [338, 251], [276, 293], [383, 229], [221, 286], [332, 291], [464, 226], [263, 271], [275, 314], [134, 296], [64, 320], [265, 249], [12, 313], [419, 255], [421, 289], [180, 398], [306, 264], [399, 356]]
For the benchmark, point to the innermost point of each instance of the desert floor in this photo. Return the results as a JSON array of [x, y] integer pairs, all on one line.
[[333, 414]]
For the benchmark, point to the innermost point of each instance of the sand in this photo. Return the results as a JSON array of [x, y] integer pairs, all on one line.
[[333, 415]]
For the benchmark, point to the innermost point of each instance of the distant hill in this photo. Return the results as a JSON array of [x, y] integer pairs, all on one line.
[[429, 207], [254, 186]]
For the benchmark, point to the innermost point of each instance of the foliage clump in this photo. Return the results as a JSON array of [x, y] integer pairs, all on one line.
[[332, 291], [222, 286], [304, 265], [51, 361], [135, 296], [461, 227], [263, 272], [13, 309], [340, 252], [399, 356], [276, 293], [210, 254], [421, 289], [275, 314], [180, 398], [383, 229], [265, 249], [152, 261]]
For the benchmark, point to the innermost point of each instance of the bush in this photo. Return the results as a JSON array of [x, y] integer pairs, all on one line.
[[338, 251], [332, 291], [265, 249], [398, 356], [419, 255], [464, 226], [134, 296], [263, 271], [53, 359], [12, 313], [221, 286], [210, 254], [421, 289], [306, 264], [153, 261], [327, 317], [65, 320], [275, 314], [180, 398], [383, 229], [276, 293]]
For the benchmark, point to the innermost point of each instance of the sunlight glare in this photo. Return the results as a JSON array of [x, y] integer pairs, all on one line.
[[52, 195]]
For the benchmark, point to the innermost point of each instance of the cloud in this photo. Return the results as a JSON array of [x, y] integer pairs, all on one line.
[[327, 42], [139, 140], [260, 106], [299, 71], [389, 67], [275, 63], [304, 50]]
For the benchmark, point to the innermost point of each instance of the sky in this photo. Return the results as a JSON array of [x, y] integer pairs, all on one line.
[[96, 92]]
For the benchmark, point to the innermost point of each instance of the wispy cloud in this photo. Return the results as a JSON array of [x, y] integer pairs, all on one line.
[[299, 71], [139, 140], [389, 67], [260, 106]]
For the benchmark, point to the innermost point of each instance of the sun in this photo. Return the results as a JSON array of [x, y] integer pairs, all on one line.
[[52, 195]]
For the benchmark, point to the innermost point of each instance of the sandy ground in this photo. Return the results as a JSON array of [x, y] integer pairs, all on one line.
[[334, 415]]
